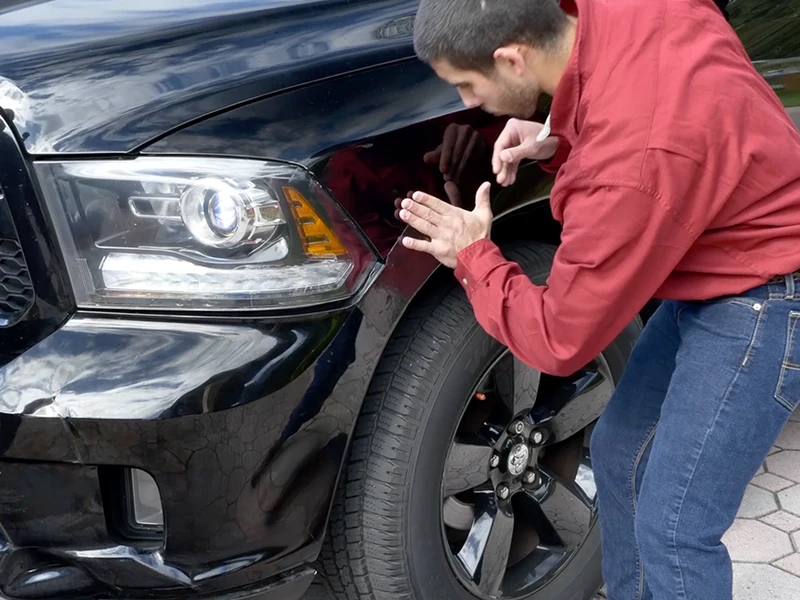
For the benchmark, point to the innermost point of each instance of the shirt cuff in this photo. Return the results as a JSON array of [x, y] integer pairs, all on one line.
[[474, 262], [553, 164]]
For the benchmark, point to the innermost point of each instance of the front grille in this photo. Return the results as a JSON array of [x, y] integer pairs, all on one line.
[[34, 298], [16, 290]]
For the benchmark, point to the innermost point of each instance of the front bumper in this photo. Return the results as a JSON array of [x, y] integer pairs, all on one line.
[[243, 427]]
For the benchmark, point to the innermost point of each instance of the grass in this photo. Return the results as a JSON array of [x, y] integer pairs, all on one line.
[[789, 97]]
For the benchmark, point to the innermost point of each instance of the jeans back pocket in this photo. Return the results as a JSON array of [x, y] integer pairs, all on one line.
[[788, 390]]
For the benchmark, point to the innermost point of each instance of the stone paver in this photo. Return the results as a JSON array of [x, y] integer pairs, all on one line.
[[766, 549], [790, 437], [791, 564], [785, 464], [790, 499], [757, 503], [772, 482], [763, 582], [755, 542], [785, 521]]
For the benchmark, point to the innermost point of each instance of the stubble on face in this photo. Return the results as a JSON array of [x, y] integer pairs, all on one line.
[[516, 100]]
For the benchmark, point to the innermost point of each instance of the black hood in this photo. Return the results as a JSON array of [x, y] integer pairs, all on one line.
[[111, 75]]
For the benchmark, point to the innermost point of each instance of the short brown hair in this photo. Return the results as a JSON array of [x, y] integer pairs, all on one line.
[[466, 33]]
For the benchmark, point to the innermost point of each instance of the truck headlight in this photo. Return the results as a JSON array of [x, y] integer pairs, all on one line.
[[201, 233]]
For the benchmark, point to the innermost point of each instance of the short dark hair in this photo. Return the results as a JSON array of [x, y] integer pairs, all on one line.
[[467, 32]]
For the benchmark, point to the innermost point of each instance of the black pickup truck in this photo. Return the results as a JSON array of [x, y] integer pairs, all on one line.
[[220, 374]]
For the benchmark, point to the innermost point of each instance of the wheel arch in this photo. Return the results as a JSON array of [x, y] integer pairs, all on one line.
[[521, 213]]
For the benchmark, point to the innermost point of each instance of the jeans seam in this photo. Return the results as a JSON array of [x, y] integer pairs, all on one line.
[[785, 365], [696, 461], [752, 341], [648, 438]]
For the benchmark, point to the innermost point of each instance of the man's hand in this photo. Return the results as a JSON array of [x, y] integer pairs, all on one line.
[[518, 142], [449, 228]]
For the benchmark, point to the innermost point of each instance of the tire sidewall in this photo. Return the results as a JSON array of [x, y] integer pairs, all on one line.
[[430, 571]]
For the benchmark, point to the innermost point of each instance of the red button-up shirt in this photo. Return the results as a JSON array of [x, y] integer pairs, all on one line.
[[678, 177]]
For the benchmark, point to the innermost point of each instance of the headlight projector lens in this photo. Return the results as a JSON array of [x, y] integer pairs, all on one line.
[[223, 216]]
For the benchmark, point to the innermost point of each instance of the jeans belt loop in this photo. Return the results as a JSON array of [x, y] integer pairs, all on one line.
[[790, 285]]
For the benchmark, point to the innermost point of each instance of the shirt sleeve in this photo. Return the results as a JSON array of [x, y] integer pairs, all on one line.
[[553, 164], [618, 245]]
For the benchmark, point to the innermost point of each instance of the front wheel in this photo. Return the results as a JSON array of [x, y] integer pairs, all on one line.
[[469, 475]]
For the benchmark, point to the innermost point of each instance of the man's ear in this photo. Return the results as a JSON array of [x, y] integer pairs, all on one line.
[[512, 57]]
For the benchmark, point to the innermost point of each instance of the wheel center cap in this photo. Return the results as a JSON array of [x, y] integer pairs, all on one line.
[[518, 459]]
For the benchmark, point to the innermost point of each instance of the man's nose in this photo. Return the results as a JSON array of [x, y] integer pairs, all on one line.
[[470, 100]]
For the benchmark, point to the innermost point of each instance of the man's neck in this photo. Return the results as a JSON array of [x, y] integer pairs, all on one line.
[[558, 60]]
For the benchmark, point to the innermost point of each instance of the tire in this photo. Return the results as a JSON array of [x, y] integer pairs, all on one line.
[[385, 538]]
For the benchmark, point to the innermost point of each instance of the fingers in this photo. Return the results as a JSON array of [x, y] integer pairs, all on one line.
[[507, 138], [502, 174], [510, 159], [398, 204], [483, 198], [512, 174], [431, 202], [499, 146], [508, 174], [419, 245], [419, 223], [421, 211]]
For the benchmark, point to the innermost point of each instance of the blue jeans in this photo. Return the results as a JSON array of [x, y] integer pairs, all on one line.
[[707, 391]]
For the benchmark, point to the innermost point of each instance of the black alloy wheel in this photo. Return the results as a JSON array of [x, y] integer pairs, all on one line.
[[469, 475], [518, 488]]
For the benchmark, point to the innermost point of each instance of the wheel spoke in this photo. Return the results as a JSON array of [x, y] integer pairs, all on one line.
[[576, 401], [467, 467], [485, 553], [565, 512], [517, 384]]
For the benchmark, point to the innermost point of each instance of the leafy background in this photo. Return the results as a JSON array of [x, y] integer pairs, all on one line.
[[769, 29]]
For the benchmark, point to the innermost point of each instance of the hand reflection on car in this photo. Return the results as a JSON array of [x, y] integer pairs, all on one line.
[[463, 160], [461, 152]]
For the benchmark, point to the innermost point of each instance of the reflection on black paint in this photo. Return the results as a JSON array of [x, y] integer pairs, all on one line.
[[111, 79], [185, 403]]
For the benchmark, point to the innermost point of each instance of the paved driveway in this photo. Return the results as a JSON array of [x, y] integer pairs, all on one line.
[[764, 541]]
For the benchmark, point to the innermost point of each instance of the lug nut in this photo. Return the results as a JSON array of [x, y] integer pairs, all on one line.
[[495, 461], [537, 437], [502, 492], [530, 477], [516, 427]]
